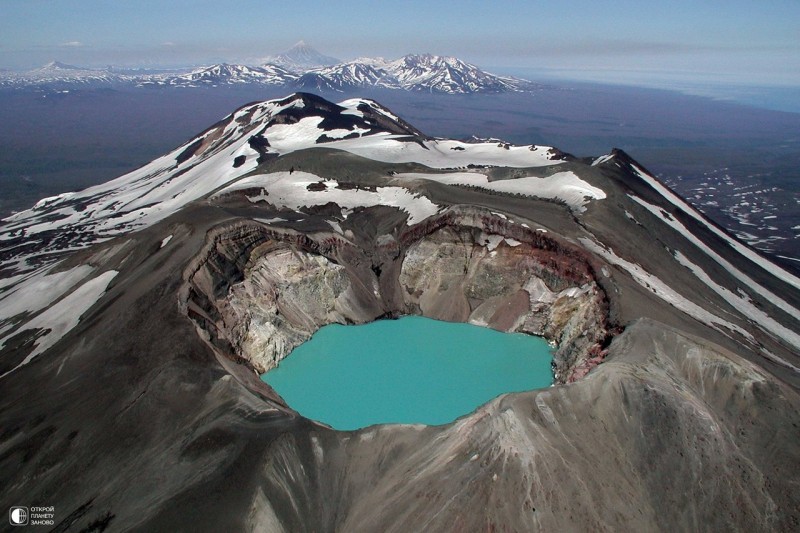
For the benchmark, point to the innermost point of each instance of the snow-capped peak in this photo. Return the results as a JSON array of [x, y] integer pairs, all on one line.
[[57, 65], [237, 145], [225, 74], [301, 57], [343, 76], [377, 62], [427, 72]]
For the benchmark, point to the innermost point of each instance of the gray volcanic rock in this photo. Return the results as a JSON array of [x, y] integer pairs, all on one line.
[[135, 317]]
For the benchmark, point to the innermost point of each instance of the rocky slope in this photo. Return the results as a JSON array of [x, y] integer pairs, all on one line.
[[134, 316]]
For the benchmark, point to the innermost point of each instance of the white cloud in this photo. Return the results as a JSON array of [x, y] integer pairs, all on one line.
[[72, 44]]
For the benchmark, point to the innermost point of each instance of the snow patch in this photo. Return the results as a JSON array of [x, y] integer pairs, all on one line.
[[443, 153], [338, 134], [61, 317], [770, 267], [735, 272], [662, 290], [565, 186], [270, 220], [286, 138], [743, 304], [336, 226], [492, 241], [602, 159], [40, 290], [285, 189]]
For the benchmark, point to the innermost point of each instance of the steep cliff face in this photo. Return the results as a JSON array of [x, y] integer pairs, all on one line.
[[257, 293], [285, 297], [462, 273]]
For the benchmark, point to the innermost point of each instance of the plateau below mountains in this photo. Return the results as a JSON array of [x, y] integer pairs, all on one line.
[[301, 67], [136, 315]]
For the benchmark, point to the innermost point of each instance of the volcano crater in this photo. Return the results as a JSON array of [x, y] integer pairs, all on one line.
[[255, 292]]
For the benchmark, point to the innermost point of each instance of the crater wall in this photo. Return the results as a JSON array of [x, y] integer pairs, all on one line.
[[256, 292]]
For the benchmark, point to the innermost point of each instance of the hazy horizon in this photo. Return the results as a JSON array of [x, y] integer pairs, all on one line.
[[773, 96], [733, 42]]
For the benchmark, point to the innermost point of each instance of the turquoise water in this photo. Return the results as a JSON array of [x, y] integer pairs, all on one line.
[[411, 370]]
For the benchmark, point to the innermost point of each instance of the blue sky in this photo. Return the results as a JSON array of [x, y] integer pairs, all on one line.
[[734, 41]]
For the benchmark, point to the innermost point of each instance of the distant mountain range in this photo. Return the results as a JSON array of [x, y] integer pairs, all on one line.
[[220, 74], [300, 67], [56, 73]]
